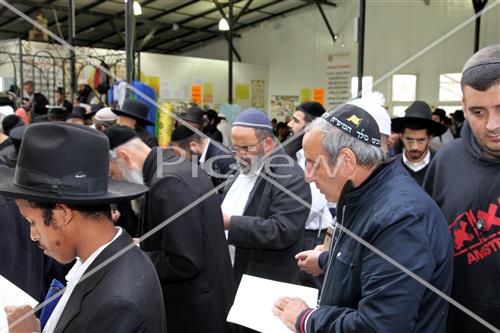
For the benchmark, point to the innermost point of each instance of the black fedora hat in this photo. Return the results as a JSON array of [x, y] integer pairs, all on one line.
[[80, 112], [50, 170], [194, 114], [418, 113], [135, 109]]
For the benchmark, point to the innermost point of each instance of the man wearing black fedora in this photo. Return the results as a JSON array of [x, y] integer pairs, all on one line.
[[416, 130], [134, 114], [194, 117], [216, 162], [65, 197], [189, 250]]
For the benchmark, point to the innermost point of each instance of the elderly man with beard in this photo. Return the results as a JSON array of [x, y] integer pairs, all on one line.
[[416, 130], [188, 250], [264, 222]]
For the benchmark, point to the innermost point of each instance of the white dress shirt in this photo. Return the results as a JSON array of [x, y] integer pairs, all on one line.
[[204, 154], [236, 198], [73, 277], [417, 166], [319, 216]]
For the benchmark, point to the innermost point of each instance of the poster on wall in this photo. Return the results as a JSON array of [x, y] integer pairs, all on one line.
[[282, 106], [319, 95], [305, 95], [196, 93], [258, 94], [338, 76], [242, 92], [208, 93]]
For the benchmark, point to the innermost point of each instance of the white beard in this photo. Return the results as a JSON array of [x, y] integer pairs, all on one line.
[[130, 175]]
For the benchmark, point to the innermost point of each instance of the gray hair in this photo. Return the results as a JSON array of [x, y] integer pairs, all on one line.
[[334, 140], [482, 70], [262, 133], [132, 144]]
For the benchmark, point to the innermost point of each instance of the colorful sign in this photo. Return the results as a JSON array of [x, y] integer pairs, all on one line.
[[196, 93]]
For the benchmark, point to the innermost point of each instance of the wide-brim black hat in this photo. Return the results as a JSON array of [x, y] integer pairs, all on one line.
[[418, 113], [50, 170], [194, 114], [136, 110]]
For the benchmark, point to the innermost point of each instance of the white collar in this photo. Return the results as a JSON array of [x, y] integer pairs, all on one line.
[[204, 155], [417, 166], [80, 267]]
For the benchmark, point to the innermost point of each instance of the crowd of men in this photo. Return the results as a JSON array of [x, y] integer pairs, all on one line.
[[384, 216]]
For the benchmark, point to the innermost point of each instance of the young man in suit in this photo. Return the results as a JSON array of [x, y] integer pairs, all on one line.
[[65, 197]]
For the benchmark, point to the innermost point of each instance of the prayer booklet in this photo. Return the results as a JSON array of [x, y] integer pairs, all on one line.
[[11, 295], [255, 298]]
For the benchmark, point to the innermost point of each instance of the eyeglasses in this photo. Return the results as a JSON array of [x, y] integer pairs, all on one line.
[[245, 149], [420, 141]]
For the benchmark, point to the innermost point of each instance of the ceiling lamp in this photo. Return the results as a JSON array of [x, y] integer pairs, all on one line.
[[137, 8], [223, 25]]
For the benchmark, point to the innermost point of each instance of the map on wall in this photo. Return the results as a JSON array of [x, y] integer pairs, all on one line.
[[282, 106], [338, 75]]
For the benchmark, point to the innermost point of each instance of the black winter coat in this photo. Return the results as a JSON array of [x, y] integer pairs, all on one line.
[[190, 253]]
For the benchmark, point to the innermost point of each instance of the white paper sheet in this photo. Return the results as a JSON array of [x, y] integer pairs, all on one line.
[[10, 294], [255, 298]]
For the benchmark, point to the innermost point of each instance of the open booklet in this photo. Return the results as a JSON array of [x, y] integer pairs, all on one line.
[[255, 298], [11, 295]]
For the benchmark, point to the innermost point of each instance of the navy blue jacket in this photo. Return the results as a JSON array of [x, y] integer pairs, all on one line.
[[363, 292]]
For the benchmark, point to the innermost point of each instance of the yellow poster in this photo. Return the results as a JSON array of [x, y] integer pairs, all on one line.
[[305, 95], [165, 124], [208, 93], [242, 91]]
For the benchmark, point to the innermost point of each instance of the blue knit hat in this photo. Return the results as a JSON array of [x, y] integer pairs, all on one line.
[[253, 118]]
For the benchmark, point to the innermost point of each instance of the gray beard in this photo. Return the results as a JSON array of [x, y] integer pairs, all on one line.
[[255, 164]]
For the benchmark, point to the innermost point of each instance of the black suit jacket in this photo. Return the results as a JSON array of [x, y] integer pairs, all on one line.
[[190, 253], [39, 103], [123, 296], [271, 230]]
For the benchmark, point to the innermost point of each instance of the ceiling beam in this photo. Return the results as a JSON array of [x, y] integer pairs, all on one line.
[[150, 20], [243, 26], [255, 9], [192, 18]]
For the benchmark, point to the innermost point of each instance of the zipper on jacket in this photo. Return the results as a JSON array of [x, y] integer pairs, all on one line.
[[331, 253]]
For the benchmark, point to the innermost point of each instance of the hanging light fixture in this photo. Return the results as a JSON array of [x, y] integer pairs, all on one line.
[[137, 8], [223, 25]]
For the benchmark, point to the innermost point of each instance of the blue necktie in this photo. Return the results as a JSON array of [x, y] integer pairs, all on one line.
[[54, 288]]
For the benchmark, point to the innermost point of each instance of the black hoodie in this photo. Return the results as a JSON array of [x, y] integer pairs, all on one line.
[[466, 185]]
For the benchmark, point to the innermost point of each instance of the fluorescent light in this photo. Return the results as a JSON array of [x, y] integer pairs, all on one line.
[[223, 25], [137, 8]]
